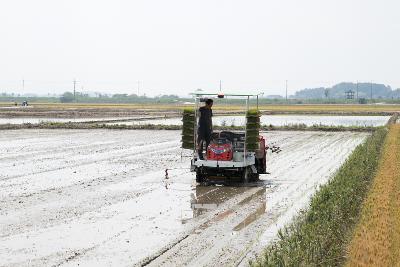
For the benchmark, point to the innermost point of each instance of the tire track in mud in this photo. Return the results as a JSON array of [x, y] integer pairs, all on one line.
[[187, 253], [214, 216]]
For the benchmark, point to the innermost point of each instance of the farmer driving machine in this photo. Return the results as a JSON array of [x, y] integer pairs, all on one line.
[[231, 156]]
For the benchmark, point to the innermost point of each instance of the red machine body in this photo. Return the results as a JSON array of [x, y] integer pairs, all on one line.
[[221, 150]]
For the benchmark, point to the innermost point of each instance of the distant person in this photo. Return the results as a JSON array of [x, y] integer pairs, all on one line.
[[204, 131]]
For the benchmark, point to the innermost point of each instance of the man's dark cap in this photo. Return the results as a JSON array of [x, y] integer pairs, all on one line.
[[209, 101]]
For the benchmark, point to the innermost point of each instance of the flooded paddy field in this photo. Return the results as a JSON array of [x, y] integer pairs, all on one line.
[[100, 197], [278, 120], [83, 111]]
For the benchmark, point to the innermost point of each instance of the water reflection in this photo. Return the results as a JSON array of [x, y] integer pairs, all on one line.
[[206, 198]]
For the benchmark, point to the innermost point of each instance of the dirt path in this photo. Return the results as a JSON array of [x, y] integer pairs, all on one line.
[[100, 197]]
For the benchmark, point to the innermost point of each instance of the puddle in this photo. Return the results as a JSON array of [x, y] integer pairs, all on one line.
[[208, 198]]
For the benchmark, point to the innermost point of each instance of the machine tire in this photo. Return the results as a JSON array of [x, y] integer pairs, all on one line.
[[199, 177], [255, 177], [249, 176]]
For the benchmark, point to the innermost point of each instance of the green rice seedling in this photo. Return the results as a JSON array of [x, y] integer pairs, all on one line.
[[189, 122], [187, 130], [252, 130], [252, 147]]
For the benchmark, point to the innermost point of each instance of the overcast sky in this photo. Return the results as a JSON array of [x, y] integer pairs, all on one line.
[[177, 46]]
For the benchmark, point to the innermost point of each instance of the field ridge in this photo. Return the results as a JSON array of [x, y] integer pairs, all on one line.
[[376, 240], [102, 125]]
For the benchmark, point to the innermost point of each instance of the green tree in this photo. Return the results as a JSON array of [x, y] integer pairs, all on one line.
[[67, 97]]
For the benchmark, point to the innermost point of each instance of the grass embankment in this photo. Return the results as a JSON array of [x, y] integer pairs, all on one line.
[[320, 234], [88, 125], [376, 240]]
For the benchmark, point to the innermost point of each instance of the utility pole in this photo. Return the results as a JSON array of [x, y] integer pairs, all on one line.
[[220, 85], [74, 90], [23, 85], [357, 90], [371, 90], [138, 86], [286, 91]]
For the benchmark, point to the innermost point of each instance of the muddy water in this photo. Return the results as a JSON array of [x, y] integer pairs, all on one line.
[[206, 198], [280, 120], [102, 198]]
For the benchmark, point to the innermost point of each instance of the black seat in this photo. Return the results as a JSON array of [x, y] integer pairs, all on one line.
[[228, 135]]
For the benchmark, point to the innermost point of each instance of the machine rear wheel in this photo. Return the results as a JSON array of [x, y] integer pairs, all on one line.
[[255, 177], [249, 176], [199, 176]]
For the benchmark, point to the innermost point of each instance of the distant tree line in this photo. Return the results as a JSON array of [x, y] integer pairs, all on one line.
[[365, 91], [69, 97], [334, 94]]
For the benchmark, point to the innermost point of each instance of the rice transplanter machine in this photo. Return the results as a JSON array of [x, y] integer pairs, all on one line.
[[237, 155]]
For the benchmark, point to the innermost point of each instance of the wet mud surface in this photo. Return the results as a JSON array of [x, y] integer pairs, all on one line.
[[100, 197]]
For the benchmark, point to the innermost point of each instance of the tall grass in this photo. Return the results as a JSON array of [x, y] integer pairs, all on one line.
[[320, 234]]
